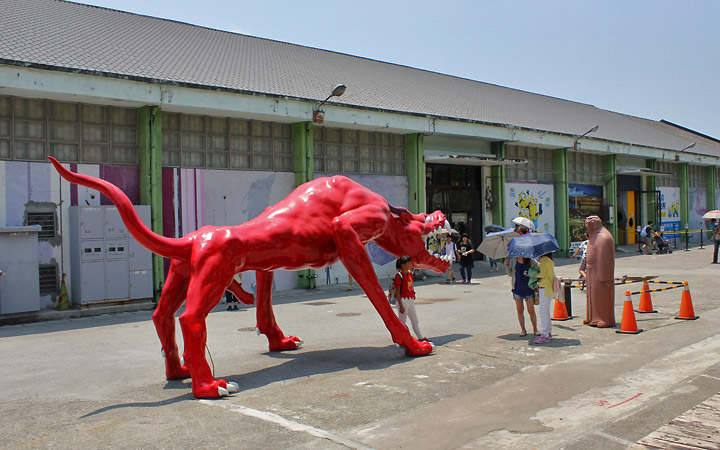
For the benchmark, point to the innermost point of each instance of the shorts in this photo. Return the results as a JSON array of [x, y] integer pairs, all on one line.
[[583, 264], [520, 297], [648, 241]]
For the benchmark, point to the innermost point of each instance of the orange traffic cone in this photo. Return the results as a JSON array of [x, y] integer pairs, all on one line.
[[686, 307], [560, 311], [628, 325], [645, 300]]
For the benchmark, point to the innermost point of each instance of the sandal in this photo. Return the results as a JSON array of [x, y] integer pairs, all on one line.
[[523, 333]]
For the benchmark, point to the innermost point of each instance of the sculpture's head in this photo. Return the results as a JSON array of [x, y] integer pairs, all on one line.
[[405, 235], [593, 224]]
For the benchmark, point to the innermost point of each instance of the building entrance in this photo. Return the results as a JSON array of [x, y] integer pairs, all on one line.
[[457, 192]]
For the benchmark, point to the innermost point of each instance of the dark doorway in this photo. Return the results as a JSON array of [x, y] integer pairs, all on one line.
[[457, 192]]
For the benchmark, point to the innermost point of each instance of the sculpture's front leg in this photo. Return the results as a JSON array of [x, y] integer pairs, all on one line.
[[266, 318]]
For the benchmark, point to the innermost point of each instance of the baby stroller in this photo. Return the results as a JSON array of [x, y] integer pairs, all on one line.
[[662, 244]]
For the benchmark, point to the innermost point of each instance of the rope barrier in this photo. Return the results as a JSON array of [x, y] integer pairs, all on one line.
[[656, 290]]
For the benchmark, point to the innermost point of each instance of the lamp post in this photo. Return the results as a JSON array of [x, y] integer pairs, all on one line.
[[318, 115], [677, 155], [576, 146]]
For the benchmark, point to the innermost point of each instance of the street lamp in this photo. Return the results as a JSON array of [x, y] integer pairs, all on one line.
[[576, 146], [318, 115], [677, 155]]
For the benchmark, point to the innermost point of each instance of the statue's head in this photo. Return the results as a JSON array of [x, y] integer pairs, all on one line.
[[405, 234], [593, 224]]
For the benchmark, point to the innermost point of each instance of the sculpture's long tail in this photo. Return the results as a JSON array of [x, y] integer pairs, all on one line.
[[168, 247]]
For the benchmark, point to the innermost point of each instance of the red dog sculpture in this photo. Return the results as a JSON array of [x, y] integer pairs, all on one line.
[[319, 223]]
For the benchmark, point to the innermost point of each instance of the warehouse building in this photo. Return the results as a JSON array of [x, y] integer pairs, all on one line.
[[201, 126]]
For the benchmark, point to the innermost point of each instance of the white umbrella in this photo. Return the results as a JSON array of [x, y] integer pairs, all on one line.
[[712, 215], [495, 245], [525, 222]]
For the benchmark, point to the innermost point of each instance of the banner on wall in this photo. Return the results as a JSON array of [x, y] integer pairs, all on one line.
[[585, 200], [533, 201], [669, 211]]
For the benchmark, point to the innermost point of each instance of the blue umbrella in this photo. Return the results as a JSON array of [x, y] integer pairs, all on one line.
[[532, 245]]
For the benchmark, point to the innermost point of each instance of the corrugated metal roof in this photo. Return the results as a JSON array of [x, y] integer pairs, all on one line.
[[60, 35]]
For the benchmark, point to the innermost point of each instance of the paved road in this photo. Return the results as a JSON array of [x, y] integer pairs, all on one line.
[[97, 382]]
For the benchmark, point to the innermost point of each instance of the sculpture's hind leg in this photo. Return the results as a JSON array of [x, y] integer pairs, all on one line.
[[204, 292], [355, 259], [266, 318], [172, 297], [240, 293]]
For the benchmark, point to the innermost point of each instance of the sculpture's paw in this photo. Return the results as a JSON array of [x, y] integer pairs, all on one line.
[[175, 369], [286, 343], [605, 325], [419, 348], [216, 389], [177, 373]]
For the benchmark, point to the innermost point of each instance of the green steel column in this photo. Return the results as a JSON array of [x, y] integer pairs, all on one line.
[[710, 187], [497, 180], [562, 202], [150, 147], [684, 195], [303, 165], [416, 172], [650, 197], [611, 190]]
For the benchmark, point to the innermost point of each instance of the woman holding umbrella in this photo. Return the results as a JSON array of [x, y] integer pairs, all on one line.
[[539, 246]]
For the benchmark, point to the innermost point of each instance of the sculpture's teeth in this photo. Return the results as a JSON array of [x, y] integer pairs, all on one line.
[[447, 225], [428, 218]]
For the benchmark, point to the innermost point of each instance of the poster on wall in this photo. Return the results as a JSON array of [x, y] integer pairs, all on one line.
[[669, 211], [585, 200], [698, 208], [533, 201]]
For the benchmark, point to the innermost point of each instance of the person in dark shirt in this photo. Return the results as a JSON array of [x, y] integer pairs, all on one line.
[[522, 293], [465, 250]]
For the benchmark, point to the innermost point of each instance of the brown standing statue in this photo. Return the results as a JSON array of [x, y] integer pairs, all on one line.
[[600, 275]]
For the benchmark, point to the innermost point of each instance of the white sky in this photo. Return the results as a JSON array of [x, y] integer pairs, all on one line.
[[657, 59]]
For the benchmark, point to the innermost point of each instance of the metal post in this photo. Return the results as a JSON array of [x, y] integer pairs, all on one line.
[[701, 234], [568, 298]]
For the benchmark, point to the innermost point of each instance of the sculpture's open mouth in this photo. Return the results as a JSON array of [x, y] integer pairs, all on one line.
[[435, 224]]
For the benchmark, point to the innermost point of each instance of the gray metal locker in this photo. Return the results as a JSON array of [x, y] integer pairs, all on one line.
[[117, 280], [114, 226], [104, 257], [92, 250], [89, 222], [116, 249], [139, 257], [92, 283], [141, 284]]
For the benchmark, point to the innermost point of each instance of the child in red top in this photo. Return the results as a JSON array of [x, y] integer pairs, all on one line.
[[405, 293]]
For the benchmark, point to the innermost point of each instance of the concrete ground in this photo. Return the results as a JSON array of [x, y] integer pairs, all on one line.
[[91, 382]]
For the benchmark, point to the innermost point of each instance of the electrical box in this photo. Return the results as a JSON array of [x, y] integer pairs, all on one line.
[[107, 263], [19, 286]]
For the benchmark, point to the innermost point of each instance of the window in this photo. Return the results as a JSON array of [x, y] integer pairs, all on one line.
[[223, 143], [540, 166], [338, 150], [31, 129], [47, 220], [48, 279]]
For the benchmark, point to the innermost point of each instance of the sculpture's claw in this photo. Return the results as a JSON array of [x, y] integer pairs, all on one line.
[[419, 348], [222, 392], [233, 387], [286, 343]]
